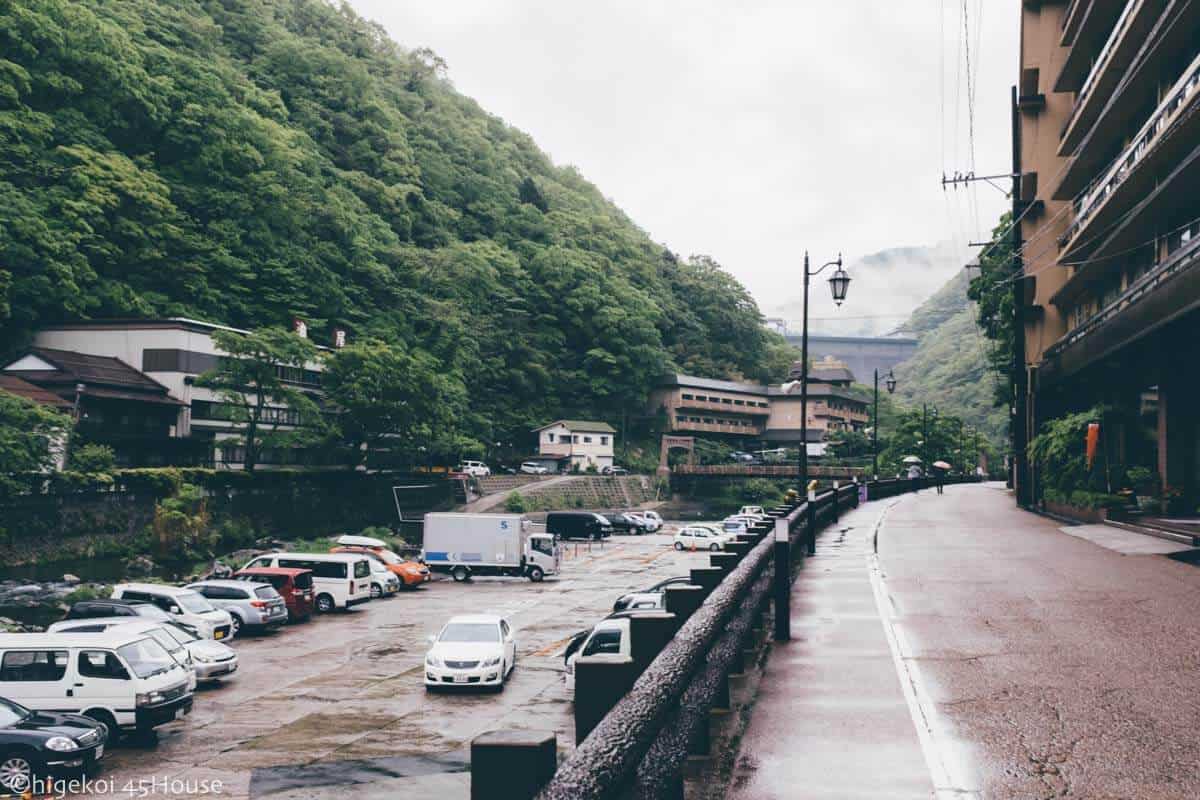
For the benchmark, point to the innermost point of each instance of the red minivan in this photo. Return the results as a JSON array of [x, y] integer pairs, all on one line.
[[294, 585]]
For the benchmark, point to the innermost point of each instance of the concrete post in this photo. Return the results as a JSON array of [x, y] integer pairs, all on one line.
[[512, 764], [707, 578], [783, 582], [836, 494], [724, 561], [649, 633], [810, 524], [600, 681], [682, 600]]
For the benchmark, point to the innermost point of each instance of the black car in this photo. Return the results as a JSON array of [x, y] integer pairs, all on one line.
[[623, 523], [624, 600], [104, 607], [36, 745], [578, 525]]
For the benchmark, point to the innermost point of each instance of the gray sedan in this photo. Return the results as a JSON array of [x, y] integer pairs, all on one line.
[[251, 605]]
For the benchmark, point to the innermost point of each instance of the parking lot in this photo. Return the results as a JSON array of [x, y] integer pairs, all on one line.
[[338, 703]]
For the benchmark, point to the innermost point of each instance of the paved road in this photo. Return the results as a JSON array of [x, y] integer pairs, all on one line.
[[990, 653], [337, 705]]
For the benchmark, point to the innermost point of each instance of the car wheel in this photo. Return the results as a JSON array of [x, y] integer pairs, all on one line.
[[324, 603], [460, 573], [679, 545], [235, 626], [714, 546], [595, 537], [536, 574], [376, 591], [18, 768]]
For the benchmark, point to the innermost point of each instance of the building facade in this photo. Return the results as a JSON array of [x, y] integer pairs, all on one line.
[[577, 444], [135, 385], [1106, 144]]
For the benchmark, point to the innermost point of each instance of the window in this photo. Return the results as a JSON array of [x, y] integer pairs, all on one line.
[[727, 401], [603, 642], [688, 397], [575, 439], [265, 592], [587, 440], [701, 398], [362, 569], [549, 437], [101, 664], [603, 440], [34, 665], [739, 402]]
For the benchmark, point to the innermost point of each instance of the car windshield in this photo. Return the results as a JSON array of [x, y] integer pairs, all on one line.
[[165, 639], [11, 713], [388, 557], [266, 592], [146, 657], [151, 612], [180, 634], [608, 641], [193, 602], [470, 632]]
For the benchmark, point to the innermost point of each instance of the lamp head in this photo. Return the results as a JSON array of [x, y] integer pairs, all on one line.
[[839, 282]]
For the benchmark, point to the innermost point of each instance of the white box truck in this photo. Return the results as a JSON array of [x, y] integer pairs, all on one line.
[[488, 544]]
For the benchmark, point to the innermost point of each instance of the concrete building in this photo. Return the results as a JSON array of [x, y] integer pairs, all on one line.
[[862, 355], [1106, 143], [577, 444], [754, 412], [135, 380]]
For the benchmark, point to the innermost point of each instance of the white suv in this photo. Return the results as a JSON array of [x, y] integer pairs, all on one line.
[[476, 469], [696, 537], [185, 605], [533, 468]]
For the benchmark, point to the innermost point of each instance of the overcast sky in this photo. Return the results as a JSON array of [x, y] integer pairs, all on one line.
[[749, 131]]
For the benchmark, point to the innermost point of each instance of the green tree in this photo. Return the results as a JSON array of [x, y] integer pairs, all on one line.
[[92, 458], [391, 401], [992, 292], [31, 436], [255, 380]]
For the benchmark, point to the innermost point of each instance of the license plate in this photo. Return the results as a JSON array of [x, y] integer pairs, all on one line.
[[100, 752], [460, 678], [179, 712], [219, 635]]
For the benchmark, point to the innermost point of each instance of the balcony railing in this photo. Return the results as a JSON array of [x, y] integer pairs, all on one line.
[[1101, 64], [1090, 200], [1185, 258]]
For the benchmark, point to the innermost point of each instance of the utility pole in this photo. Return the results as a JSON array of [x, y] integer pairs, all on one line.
[[875, 432]]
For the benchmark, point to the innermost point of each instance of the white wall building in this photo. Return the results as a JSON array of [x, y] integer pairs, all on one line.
[[578, 443]]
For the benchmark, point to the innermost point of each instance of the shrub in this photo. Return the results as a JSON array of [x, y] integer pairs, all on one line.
[[515, 504], [93, 458]]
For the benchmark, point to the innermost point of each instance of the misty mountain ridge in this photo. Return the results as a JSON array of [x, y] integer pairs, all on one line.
[[886, 288]]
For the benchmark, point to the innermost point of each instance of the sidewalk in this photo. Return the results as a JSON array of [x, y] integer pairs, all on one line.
[[831, 719], [985, 653]]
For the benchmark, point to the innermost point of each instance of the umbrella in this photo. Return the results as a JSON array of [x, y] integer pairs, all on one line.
[[911, 460], [941, 465]]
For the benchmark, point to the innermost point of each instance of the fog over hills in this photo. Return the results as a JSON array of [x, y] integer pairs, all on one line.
[[886, 287]]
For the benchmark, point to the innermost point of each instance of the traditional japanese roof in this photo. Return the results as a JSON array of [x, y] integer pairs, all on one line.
[[60, 370], [14, 385], [692, 382]]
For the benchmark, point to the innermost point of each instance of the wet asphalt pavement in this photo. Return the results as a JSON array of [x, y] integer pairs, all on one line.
[[984, 653], [338, 704]]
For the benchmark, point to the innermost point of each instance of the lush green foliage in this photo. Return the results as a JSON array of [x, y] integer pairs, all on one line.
[[248, 161], [992, 292], [1059, 451], [93, 458], [29, 434]]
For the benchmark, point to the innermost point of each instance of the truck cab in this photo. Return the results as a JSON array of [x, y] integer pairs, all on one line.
[[542, 556]]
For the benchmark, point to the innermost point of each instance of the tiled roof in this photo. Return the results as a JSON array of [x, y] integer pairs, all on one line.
[[692, 382], [581, 425], [14, 385], [89, 369]]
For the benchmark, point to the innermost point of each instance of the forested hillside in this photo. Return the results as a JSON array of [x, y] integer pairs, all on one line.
[[248, 161], [950, 369]]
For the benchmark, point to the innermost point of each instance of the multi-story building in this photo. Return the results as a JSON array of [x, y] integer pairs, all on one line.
[[758, 412], [133, 384], [1106, 143], [576, 444]]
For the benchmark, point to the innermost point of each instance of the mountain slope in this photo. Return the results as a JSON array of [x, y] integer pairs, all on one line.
[[250, 161], [950, 368]]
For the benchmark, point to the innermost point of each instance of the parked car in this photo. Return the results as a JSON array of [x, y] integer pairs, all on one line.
[[185, 605], [625, 601], [609, 637], [120, 677], [130, 609], [754, 510], [38, 745], [734, 527], [533, 468], [250, 606], [650, 519], [613, 469], [410, 573], [295, 586], [696, 537], [155, 630], [741, 457], [476, 469], [578, 525], [211, 659], [471, 650], [340, 580], [384, 582], [627, 524]]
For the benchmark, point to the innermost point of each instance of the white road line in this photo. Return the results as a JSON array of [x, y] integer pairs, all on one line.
[[946, 763]]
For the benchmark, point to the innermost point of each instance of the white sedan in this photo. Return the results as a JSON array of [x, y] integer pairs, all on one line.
[[651, 519], [471, 650], [697, 537]]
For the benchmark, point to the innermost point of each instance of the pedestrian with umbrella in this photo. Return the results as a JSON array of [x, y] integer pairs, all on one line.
[[940, 468], [914, 471]]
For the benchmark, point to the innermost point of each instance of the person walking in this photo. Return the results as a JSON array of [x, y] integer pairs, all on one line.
[[939, 477], [914, 475]]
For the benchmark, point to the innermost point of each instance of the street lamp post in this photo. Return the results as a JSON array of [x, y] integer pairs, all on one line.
[[890, 382], [839, 282]]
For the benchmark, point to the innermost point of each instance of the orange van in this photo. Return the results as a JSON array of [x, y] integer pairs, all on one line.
[[411, 573]]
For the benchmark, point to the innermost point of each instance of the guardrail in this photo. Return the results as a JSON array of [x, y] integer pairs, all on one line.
[[777, 470], [639, 717]]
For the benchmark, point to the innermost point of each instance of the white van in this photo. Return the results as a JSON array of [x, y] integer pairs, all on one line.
[[155, 630], [340, 580], [186, 605], [120, 677]]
